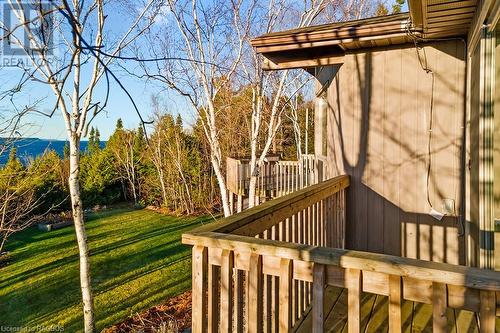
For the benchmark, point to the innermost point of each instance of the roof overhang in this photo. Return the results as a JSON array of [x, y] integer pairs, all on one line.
[[442, 18], [327, 44]]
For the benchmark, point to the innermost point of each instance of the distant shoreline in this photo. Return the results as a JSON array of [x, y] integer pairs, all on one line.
[[29, 148]]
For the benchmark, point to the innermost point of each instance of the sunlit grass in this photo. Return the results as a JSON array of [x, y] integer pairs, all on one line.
[[137, 260]]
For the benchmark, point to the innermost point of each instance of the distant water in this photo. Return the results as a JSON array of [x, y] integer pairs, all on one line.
[[32, 147]]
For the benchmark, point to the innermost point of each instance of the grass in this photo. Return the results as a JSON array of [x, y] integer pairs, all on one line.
[[137, 260]]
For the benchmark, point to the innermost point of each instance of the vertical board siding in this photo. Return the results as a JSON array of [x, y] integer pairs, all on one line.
[[378, 118]]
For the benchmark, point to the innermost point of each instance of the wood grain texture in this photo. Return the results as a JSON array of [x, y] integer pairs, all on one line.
[[354, 287], [395, 303], [379, 111], [200, 263], [439, 304], [255, 282], [285, 295], [318, 315]]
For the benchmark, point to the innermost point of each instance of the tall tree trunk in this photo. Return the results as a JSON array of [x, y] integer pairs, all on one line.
[[163, 187], [222, 186], [81, 235]]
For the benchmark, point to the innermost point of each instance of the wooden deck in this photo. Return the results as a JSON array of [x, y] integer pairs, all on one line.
[[290, 260], [416, 317]]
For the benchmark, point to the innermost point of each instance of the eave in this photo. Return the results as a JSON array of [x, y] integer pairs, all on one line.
[[327, 44]]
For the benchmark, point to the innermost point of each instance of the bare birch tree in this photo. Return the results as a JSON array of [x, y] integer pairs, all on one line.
[[203, 56], [273, 87], [72, 69]]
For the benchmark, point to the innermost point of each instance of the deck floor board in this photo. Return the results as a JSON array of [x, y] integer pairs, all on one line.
[[416, 317]]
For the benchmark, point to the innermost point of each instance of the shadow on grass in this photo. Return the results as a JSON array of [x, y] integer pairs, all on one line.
[[146, 264], [25, 274]]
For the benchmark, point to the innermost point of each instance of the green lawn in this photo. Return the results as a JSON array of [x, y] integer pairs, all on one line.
[[137, 260]]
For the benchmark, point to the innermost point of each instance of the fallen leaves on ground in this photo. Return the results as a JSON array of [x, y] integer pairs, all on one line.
[[172, 316]]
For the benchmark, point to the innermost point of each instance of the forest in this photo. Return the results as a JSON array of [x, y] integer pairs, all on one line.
[[167, 169]]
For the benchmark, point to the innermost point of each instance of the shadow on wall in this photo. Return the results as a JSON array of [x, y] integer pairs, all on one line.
[[398, 131]]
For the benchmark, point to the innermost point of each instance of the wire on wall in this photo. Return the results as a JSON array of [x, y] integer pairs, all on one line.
[[425, 66]]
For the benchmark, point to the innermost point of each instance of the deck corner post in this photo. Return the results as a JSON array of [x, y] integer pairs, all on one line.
[[487, 310], [395, 302], [199, 302], [318, 298], [439, 304], [354, 282], [285, 295]]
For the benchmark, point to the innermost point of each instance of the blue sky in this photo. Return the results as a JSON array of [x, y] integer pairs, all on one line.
[[119, 105]]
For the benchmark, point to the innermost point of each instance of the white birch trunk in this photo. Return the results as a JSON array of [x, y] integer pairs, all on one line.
[[81, 235]]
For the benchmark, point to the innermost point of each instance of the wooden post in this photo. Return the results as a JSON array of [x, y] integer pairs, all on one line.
[[354, 287], [199, 303], [487, 310], [285, 308], [239, 204], [231, 202], [226, 294], [395, 298], [318, 298], [254, 310], [439, 304]]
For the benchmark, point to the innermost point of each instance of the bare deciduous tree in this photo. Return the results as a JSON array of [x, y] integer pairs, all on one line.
[[72, 68], [276, 88], [203, 56]]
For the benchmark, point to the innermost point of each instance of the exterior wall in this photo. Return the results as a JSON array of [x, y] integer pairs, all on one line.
[[473, 156], [379, 110], [484, 172], [496, 152]]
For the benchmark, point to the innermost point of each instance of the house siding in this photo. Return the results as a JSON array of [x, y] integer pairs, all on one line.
[[379, 104]]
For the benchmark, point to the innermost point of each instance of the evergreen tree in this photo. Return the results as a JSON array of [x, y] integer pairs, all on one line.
[[90, 144], [13, 163], [66, 151], [140, 140], [94, 144], [119, 124], [178, 121], [396, 8], [381, 9]]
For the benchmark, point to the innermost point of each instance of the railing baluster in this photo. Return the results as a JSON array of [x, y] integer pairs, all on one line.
[[255, 278], [439, 304], [318, 298], [395, 298], [226, 298], [268, 294], [354, 287], [285, 295], [200, 263], [487, 310]]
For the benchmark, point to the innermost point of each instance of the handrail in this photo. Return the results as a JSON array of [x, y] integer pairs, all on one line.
[[256, 219], [381, 263], [268, 266]]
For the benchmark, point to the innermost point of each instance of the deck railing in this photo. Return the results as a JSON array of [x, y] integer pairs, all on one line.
[[275, 177], [224, 282], [265, 268]]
